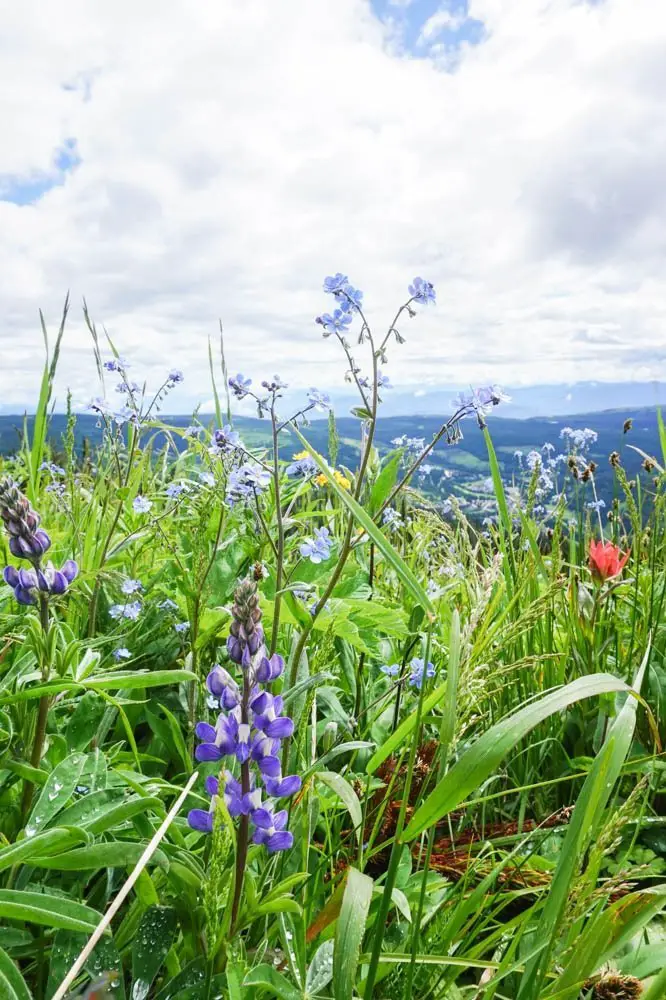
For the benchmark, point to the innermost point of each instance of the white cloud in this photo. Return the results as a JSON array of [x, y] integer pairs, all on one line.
[[234, 154]]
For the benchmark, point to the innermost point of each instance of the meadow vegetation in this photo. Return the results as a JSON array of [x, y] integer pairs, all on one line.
[[299, 729]]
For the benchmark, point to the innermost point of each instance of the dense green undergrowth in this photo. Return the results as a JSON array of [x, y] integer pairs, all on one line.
[[478, 721]]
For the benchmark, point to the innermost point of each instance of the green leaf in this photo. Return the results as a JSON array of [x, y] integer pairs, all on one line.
[[585, 820], [52, 841], [127, 680], [57, 791], [116, 854], [320, 969], [267, 976], [484, 756], [349, 932], [12, 983], [404, 730], [347, 796], [192, 975], [385, 481], [50, 911], [153, 940], [398, 564]]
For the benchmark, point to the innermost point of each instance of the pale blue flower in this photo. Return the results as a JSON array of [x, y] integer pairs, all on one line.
[[122, 653], [130, 586], [141, 504]]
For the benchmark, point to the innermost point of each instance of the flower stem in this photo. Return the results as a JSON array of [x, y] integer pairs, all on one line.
[[42, 714], [244, 825]]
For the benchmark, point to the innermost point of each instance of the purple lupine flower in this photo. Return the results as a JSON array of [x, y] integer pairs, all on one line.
[[240, 386], [422, 291], [47, 580], [419, 670], [250, 728], [317, 549]]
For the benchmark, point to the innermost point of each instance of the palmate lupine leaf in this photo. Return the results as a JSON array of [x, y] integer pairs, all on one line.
[[398, 564], [484, 756]]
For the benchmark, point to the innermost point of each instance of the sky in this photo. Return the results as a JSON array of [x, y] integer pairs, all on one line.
[[177, 164]]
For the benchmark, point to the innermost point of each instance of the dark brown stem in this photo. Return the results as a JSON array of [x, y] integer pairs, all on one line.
[[244, 825], [279, 566], [42, 715]]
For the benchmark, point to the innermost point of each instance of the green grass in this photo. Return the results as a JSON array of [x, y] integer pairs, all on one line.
[[498, 833]]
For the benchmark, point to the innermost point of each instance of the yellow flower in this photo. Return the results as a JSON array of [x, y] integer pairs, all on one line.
[[322, 480], [301, 455]]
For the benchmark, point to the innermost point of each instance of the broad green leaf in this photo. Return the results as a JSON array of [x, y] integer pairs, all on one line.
[[347, 796], [116, 854], [484, 756], [153, 940], [349, 932], [58, 789], [585, 820], [52, 841], [270, 978], [12, 983], [191, 975], [365, 521], [50, 911]]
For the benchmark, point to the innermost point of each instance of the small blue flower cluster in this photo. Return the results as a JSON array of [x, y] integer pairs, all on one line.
[[249, 728], [418, 671], [349, 301], [246, 482]]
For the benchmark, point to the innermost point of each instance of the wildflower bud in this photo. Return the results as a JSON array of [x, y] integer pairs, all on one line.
[[592, 466], [247, 635], [26, 539], [614, 459], [648, 464], [628, 424], [586, 475], [329, 736]]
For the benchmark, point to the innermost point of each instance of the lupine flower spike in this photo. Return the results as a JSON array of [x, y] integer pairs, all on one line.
[[30, 542], [249, 729]]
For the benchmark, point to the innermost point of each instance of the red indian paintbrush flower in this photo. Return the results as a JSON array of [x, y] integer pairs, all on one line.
[[606, 560]]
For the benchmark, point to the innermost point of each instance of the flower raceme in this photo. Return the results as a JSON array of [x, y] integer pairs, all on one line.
[[606, 560], [249, 729], [28, 541]]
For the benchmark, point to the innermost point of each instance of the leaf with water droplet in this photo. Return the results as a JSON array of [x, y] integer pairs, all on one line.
[[12, 983], [151, 946], [57, 791], [320, 969]]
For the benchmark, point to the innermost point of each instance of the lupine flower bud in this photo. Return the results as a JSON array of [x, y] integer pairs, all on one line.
[[26, 539], [247, 635]]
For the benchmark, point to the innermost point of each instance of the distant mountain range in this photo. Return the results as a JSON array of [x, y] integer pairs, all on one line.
[[459, 467]]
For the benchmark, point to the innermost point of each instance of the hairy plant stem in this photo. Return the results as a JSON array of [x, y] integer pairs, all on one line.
[[344, 550], [279, 561], [42, 714], [244, 825]]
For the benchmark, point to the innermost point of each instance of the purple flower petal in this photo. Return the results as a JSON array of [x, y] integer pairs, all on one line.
[[270, 767], [204, 731], [283, 840], [263, 818], [208, 751], [280, 729], [212, 785], [284, 788], [201, 820], [70, 570], [59, 583], [24, 596], [11, 576]]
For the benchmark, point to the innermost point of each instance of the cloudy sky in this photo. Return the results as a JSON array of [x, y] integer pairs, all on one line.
[[177, 162]]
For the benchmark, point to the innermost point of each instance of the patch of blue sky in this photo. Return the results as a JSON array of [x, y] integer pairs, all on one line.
[[28, 188], [427, 26]]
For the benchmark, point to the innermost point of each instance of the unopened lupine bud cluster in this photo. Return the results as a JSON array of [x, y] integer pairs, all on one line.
[[250, 728], [28, 541]]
